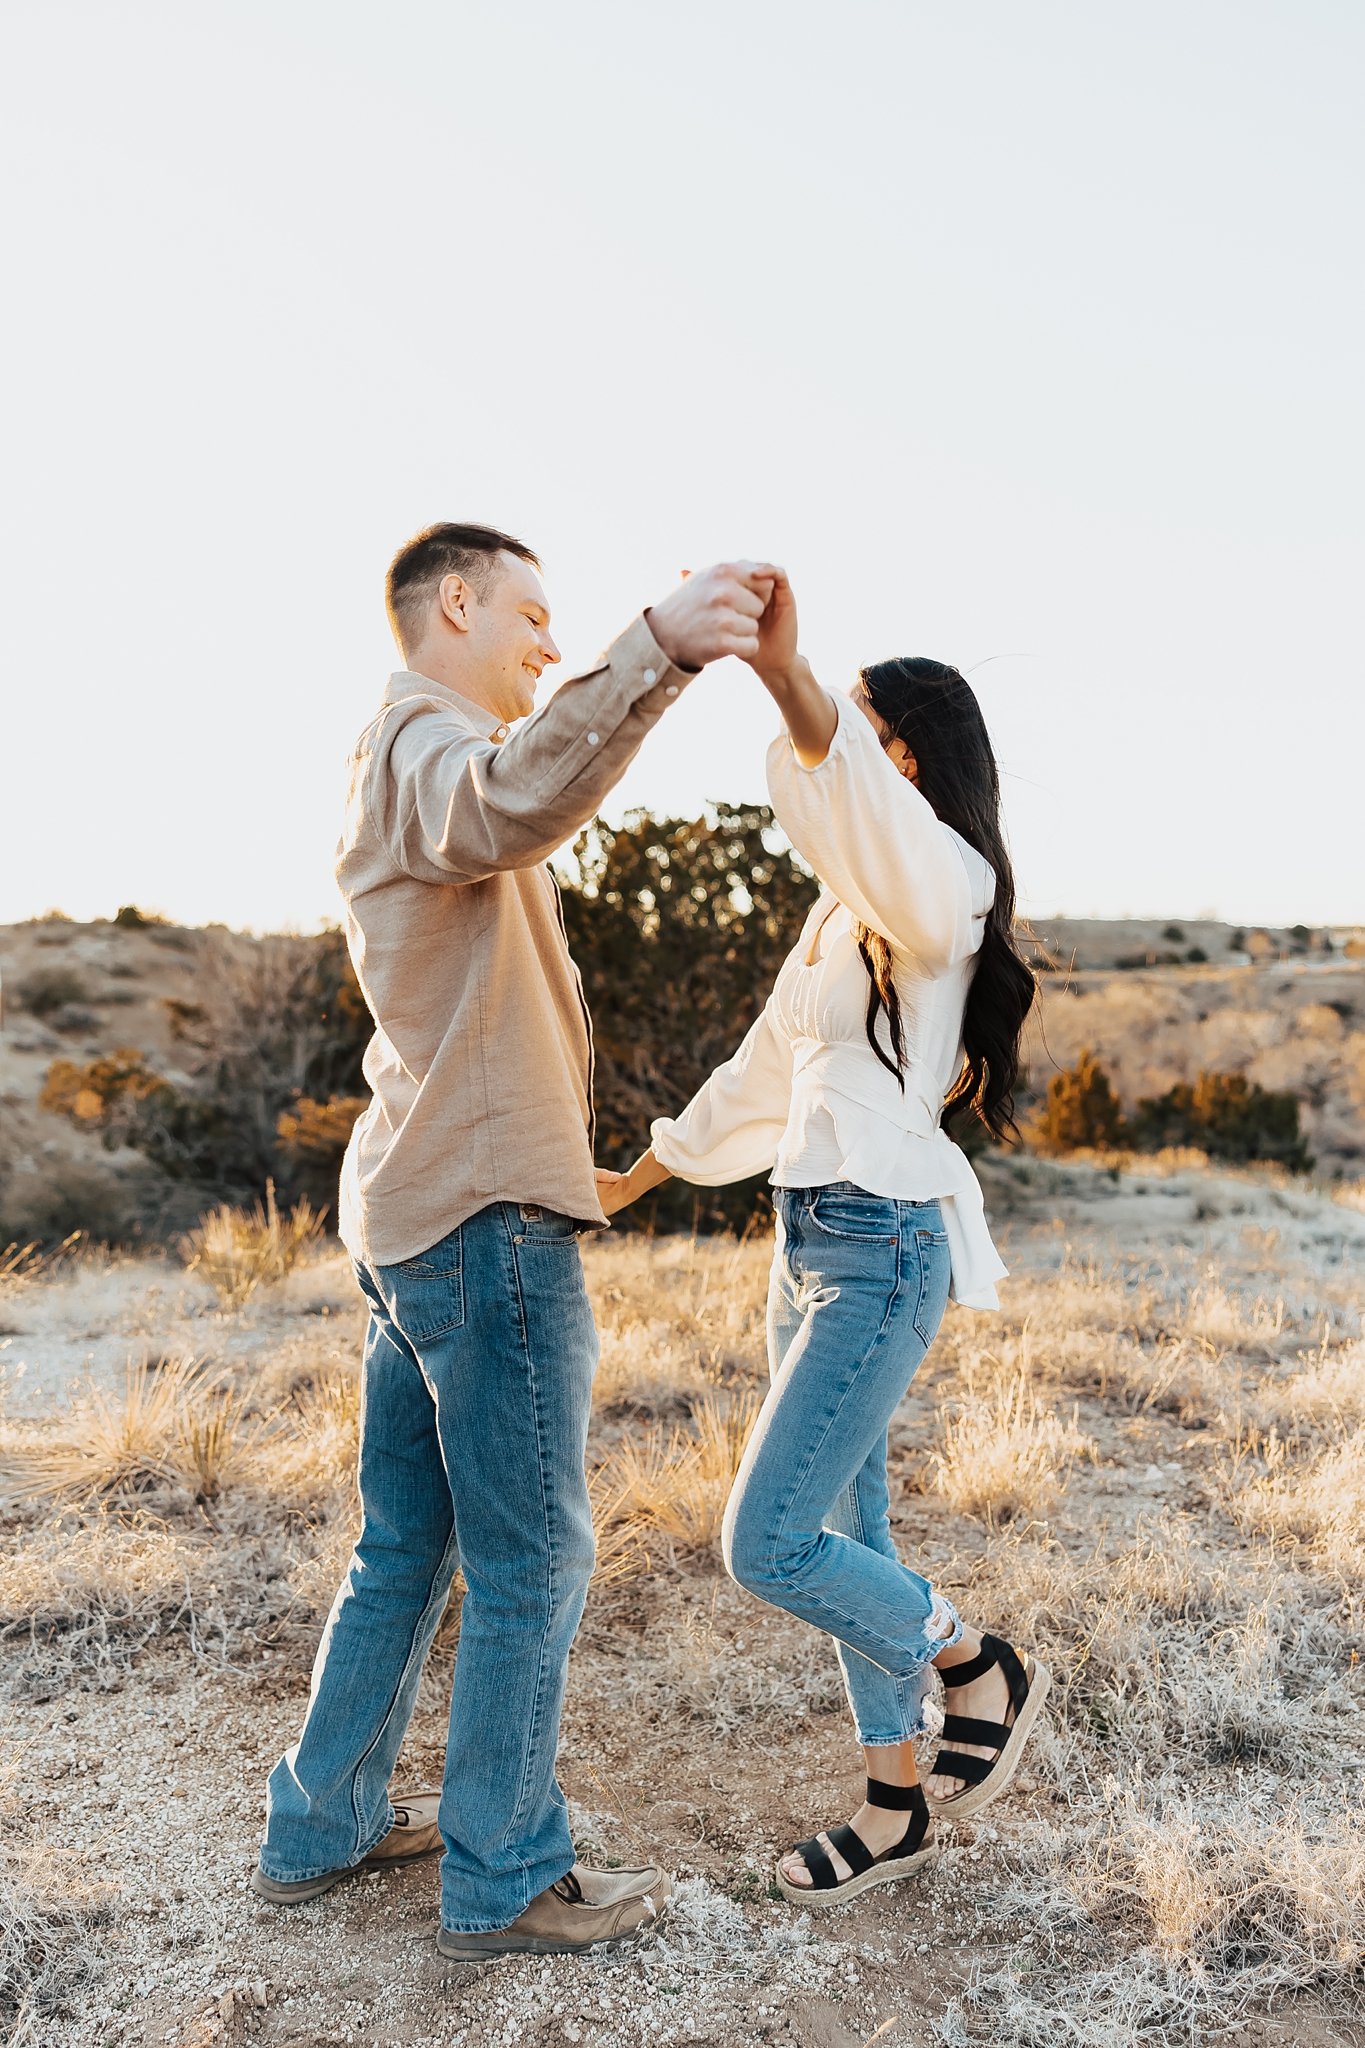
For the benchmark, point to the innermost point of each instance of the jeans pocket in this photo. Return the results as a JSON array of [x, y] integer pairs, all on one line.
[[425, 1295], [851, 1214], [532, 1223], [935, 1271]]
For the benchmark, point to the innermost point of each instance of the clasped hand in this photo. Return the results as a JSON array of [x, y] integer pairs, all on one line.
[[741, 608]]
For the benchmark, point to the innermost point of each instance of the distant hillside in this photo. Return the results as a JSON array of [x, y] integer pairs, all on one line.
[[1292, 1019], [1126, 943]]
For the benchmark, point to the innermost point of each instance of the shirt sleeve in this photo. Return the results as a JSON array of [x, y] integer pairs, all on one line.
[[875, 841], [453, 806], [733, 1125]]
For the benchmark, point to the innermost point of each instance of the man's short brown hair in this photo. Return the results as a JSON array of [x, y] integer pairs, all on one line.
[[443, 550]]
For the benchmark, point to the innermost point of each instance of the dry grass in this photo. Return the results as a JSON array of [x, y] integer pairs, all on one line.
[[1003, 1453], [238, 1251], [172, 1423], [47, 1913], [1316, 1501], [673, 1484], [677, 1319], [1155, 1474]]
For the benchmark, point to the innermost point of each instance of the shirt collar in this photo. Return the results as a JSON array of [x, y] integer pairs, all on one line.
[[406, 682]]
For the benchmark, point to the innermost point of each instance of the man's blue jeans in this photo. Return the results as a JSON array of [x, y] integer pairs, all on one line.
[[479, 1361], [859, 1286]]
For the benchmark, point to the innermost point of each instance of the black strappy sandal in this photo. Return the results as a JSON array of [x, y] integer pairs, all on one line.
[[1028, 1683], [910, 1854]]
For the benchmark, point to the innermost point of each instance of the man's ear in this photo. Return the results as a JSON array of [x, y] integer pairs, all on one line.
[[456, 600]]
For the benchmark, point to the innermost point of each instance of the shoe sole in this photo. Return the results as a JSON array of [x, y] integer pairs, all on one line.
[[852, 1887], [962, 1805], [298, 1894], [483, 1948]]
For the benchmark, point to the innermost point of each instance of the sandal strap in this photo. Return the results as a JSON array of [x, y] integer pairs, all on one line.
[[972, 1668], [823, 1877], [962, 1728], [971, 1769], [900, 1798], [852, 1848], [1016, 1678]]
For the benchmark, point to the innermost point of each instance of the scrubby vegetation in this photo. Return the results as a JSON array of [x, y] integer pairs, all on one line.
[[1225, 1116], [1151, 1468]]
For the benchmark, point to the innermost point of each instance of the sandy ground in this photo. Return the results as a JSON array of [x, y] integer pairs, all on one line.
[[701, 1730]]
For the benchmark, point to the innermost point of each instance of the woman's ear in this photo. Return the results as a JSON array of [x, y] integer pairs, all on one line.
[[902, 760]]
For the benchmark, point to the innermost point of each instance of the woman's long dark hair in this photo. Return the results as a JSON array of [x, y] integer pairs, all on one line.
[[934, 710]]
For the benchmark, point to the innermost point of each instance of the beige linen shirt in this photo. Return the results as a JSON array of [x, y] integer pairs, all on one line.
[[481, 1060]]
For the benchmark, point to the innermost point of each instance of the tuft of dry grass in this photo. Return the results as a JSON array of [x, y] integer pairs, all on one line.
[[678, 1318], [1003, 1452], [1317, 1501], [1168, 1642], [1215, 1909], [673, 1484], [47, 1912], [173, 1423], [237, 1250]]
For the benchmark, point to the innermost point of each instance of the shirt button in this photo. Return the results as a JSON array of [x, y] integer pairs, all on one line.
[[672, 690], [651, 675], [500, 732], [593, 739]]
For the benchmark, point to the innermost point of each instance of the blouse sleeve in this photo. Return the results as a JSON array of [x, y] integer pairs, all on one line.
[[733, 1125], [874, 840]]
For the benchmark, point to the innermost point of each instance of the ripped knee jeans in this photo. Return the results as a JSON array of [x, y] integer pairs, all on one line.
[[859, 1286]]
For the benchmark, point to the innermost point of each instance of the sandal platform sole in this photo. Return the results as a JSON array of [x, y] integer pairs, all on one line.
[[962, 1805], [880, 1873]]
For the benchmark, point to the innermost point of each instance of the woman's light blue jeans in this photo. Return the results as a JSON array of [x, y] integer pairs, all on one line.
[[859, 1286], [479, 1361]]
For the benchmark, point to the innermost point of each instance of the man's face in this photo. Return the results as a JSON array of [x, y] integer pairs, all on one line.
[[510, 637]]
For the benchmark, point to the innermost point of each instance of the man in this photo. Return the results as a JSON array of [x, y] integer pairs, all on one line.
[[464, 1188]]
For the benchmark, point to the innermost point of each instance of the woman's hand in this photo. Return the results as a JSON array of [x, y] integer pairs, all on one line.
[[613, 1190], [809, 712], [776, 656], [616, 1191]]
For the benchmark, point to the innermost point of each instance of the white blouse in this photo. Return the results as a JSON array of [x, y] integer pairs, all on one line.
[[805, 1095]]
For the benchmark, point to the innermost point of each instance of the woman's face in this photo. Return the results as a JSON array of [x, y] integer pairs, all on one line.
[[896, 750]]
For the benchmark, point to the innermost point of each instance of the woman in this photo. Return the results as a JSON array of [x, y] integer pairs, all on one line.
[[904, 995]]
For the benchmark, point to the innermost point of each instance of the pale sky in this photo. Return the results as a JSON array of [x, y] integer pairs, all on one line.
[[1025, 336]]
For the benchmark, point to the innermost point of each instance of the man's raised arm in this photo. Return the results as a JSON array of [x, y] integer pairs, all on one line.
[[455, 807]]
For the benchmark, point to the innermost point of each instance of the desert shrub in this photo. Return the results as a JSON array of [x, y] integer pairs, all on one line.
[[49, 990], [273, 1023], [74, 1020], [1196, 956], [102, 1094], [313, 1137], [1127, 962], [67, 1198], [1227, 1116], [1080, 1108], [1174, 934], [238, 1252], [132, 919], [678, 927]]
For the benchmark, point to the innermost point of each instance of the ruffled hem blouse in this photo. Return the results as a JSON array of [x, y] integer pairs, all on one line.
[[805, 1096]]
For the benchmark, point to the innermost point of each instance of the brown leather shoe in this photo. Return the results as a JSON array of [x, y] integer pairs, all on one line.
[[586, 1907], [414, 1834]]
